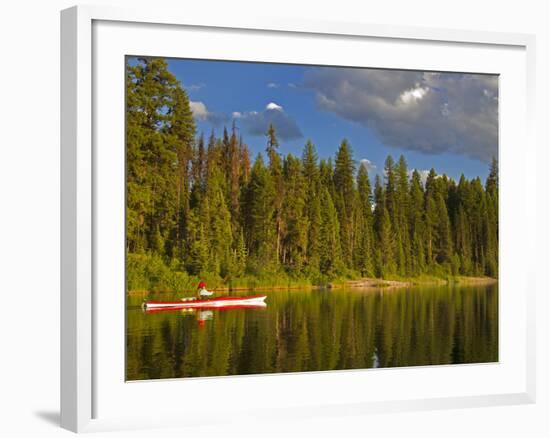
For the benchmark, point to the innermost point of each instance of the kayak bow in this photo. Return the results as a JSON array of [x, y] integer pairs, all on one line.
[[252, 301]]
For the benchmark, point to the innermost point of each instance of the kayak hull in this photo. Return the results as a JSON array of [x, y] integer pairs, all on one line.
[[204, 308], [252, 301]]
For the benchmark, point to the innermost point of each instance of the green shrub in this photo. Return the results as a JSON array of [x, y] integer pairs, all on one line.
[[150, 273]]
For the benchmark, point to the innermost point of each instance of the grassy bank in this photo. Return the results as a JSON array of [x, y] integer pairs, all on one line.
[[150, 274], [424, 280]]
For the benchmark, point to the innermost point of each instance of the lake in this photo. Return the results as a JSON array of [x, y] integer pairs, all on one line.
[[313, 330]]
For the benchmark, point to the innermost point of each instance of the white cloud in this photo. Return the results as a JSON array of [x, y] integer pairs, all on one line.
[[368, 164], [256, 123], [413, 94], [199, 110], [273, 106], [272, 85], [432, 113]]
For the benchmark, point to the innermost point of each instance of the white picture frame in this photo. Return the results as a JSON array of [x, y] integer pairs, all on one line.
[[84, 177]]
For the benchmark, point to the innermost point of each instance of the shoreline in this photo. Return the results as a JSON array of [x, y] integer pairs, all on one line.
[[377, 283], [361, 284]]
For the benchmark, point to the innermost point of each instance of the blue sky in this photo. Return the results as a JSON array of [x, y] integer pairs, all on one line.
[[447, 121]]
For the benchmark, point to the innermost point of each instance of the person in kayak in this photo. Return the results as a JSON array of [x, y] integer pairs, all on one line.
[[202, 291]]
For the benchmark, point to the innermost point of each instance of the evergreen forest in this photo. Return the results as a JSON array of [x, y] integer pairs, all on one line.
[[200, 207]]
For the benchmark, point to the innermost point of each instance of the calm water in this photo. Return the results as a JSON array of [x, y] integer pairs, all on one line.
[[316, 330]]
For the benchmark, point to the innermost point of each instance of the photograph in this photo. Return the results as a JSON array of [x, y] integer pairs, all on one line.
[[285, 218]]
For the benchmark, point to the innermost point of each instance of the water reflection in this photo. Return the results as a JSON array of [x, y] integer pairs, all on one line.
[[203, 313], [201, 316], [317, 330]]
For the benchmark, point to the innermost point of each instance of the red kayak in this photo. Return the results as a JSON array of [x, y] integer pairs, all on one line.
[[252, 301]]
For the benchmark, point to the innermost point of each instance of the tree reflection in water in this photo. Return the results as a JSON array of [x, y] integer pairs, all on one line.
[[317, 330]]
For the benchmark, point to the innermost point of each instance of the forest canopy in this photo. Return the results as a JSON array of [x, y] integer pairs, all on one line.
[[201, 207]]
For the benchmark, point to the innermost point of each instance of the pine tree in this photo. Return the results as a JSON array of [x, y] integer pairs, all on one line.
[[462, 242], [326, 173], [244, 163], [220, 233], [199, 164], [294, 216], [431, 219], [364, 253], [417, 225], [385, 259], [344, 185], [386, 242], [275, 167], [225, 152], [159, 134], [462, 226], [402, 223], [272, 143], [444, 241], [491, 239], [234, 180], [477, 216], [491, 186], [259, 210], [313, 205], [198, 241], [241, 255], [198, 251], [182, 129], [330, 255], [213, 155], [390, 189]]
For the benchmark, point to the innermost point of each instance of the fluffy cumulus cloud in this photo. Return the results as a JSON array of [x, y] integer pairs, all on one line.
[[201, 112], [368, 164], [427, 112], [257, 122], [273, 106]]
